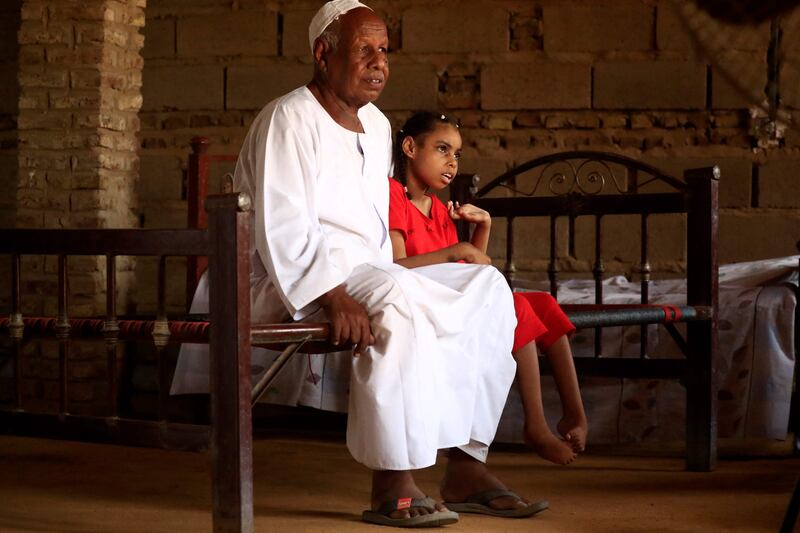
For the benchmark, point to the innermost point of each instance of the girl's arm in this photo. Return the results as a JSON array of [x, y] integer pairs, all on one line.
[[480, 237], [463, 251], [473, 215]]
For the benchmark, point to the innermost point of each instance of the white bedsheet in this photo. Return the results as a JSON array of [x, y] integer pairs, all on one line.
[[756, 360]]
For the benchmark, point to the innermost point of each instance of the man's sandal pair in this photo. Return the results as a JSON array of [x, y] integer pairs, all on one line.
[[476, 503]]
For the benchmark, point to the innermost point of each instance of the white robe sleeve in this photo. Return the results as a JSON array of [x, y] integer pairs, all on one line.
[[289, 237]]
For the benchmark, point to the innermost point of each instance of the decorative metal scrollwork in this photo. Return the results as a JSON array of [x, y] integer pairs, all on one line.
[[587, 177]]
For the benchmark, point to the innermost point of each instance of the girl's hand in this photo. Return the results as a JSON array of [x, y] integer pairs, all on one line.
[[468, 212], [468, 253]]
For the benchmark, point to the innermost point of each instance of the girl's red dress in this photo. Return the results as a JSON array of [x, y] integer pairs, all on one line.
[[539, 317]]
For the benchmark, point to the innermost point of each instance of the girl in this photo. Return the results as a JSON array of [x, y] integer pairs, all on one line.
[[422, 231]]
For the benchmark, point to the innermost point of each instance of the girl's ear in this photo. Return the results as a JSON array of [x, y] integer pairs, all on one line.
[[409, 147]]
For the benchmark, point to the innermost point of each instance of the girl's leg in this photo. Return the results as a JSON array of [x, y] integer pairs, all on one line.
[[573, 425], [537, 433]]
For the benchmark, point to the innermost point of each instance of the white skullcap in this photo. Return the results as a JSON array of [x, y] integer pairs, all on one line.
[[329, 12]]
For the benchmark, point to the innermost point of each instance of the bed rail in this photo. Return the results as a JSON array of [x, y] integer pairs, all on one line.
[[226, 243]]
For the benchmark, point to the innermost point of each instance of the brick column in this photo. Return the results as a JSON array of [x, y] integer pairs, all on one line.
[[80, 91], [79, 95], [9, 52]]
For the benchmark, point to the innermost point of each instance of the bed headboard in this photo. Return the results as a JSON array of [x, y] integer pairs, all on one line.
[[569, 185]]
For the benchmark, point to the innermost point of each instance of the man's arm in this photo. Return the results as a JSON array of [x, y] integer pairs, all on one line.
[[289, 238], [290, 241], [349, 319]]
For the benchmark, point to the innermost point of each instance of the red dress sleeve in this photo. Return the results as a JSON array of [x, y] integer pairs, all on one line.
[[398, 208]]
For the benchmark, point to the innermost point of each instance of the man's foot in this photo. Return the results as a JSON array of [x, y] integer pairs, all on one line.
[[390, 485], [433, 518], [478, 504], [466, 476], [550, 447], [574, 430]]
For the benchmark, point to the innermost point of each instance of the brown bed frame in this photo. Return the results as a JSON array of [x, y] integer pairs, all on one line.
[[225, 243]]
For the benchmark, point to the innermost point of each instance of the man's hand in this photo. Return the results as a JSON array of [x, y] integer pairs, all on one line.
[[468, 253], [349, 320]]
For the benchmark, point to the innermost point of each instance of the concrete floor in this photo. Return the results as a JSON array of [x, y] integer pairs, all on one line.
[[305, 485]]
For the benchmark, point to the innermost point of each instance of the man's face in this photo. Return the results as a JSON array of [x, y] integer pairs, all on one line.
[[358, 70]]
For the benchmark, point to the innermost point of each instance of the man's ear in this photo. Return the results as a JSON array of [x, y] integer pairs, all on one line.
[[320, 55], [409, 147]]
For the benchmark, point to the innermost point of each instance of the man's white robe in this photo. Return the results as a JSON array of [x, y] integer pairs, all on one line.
[[440, 370]]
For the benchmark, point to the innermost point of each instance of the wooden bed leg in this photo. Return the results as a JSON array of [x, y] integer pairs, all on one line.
[[701, 399], [702, 289], [231, 422]]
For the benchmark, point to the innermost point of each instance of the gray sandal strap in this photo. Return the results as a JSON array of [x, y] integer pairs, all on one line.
[[483, 498], [390, 506]]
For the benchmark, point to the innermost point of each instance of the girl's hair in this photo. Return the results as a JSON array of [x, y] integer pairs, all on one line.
[[416, 126]]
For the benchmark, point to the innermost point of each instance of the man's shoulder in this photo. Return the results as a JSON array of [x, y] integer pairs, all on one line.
[[291, 110], [297, 101]]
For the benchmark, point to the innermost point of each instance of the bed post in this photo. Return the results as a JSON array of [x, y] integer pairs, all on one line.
[[462, 190], [196, 190], [794, 406], [231, 422], [702, 290]]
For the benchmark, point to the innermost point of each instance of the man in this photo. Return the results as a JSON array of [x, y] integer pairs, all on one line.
[[431, 362]]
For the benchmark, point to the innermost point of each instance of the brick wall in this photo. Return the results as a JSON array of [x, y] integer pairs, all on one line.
[[79, 75], [80, 93], [9, 91], [9, 107], [79, 96], [525, 78], [9, 111]]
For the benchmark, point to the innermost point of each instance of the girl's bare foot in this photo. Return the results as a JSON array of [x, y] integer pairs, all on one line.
[[550, 447], [574, 430]]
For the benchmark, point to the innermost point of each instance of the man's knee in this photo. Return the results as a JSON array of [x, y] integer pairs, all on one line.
[[376, 288]]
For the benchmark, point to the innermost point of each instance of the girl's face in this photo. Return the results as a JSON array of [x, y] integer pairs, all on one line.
[[433, 157]]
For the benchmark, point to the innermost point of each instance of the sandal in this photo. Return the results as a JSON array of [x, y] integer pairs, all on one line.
[[479, 503], [434, 519]]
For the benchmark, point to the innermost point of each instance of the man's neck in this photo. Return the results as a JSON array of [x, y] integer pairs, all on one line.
[[344, 115]]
